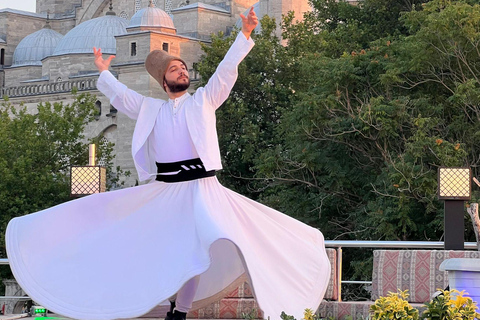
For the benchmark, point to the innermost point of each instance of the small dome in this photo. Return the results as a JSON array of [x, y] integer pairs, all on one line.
[[99, 32], [151, 17], [36, 46], [256, 9]]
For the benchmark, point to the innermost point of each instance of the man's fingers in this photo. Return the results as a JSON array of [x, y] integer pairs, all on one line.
[[242, 16], [109, 59], [97, 52]]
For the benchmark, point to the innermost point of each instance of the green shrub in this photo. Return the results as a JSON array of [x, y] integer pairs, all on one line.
[[394, 306], [451, 305]]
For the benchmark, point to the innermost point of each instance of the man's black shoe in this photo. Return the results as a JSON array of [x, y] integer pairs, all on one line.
[[170, 315], [177, 315]]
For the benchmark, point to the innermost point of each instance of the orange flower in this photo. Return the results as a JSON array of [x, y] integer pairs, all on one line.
[[396, 185], [457, 146], [362, 51], [354, 53], [388, 43], [386, 55], [439, 142]]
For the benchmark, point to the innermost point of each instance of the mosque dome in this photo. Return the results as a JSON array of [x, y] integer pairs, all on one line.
[[151, 17], [99, 32], [256, 9], [36, 46]]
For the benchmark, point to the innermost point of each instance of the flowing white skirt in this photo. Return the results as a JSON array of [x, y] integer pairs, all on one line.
[[120, 254]]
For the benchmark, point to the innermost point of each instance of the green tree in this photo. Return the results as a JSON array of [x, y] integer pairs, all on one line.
[[369, 128], [345, 126]]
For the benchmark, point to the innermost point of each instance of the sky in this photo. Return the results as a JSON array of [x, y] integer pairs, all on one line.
[[26, 5]]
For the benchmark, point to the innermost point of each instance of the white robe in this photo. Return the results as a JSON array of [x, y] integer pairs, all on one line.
[[119, 254]]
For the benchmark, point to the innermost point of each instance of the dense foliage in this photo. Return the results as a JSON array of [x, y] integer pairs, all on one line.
[[345, 126]]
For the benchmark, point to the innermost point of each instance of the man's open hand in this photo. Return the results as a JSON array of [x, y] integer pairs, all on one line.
[[249, 22], [100, 63]]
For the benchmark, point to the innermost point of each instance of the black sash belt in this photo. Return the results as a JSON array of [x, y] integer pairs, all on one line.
[[182, 171]]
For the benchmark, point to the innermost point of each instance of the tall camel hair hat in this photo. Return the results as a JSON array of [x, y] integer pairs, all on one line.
[[157, 63]]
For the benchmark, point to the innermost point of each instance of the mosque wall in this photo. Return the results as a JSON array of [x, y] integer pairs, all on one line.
[[87, 10], [122, 8], [119, 128], [125, 52], [56, 6], [191, 51], [60, 68], [93, 9], [243, 5], [3, 24], [144, 43], [186, 22], [212, 22], [157, 41], [14, 27], [18, 74], [122, 137], [200, 23], [62, 26], [161, 4], [276, 9]]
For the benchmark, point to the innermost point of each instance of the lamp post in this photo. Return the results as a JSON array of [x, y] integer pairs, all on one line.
[[454, 186], [89, 179]]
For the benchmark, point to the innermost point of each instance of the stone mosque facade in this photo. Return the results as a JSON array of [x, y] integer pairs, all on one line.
[[44, 55]]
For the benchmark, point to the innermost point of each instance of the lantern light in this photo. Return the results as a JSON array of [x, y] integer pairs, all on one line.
[[89, 179], [454, 183]]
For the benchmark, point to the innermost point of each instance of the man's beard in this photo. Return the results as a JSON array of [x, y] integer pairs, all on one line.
[[175, 87]]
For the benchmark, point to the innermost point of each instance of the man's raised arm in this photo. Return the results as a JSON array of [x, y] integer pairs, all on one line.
[[122, 98], [221, 82]]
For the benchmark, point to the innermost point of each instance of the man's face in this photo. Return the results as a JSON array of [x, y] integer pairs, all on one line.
[[176, 77]]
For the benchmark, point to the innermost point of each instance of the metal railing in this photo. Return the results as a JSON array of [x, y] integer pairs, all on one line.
[[49, 88], [83, 84], [339, 244]]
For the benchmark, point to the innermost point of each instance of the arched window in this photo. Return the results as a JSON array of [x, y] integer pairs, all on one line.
[[2, 57], [98, 106], [138, 5], [124, 15]]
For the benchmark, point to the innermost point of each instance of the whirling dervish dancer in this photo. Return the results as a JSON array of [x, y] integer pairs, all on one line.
[[119, 254]]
